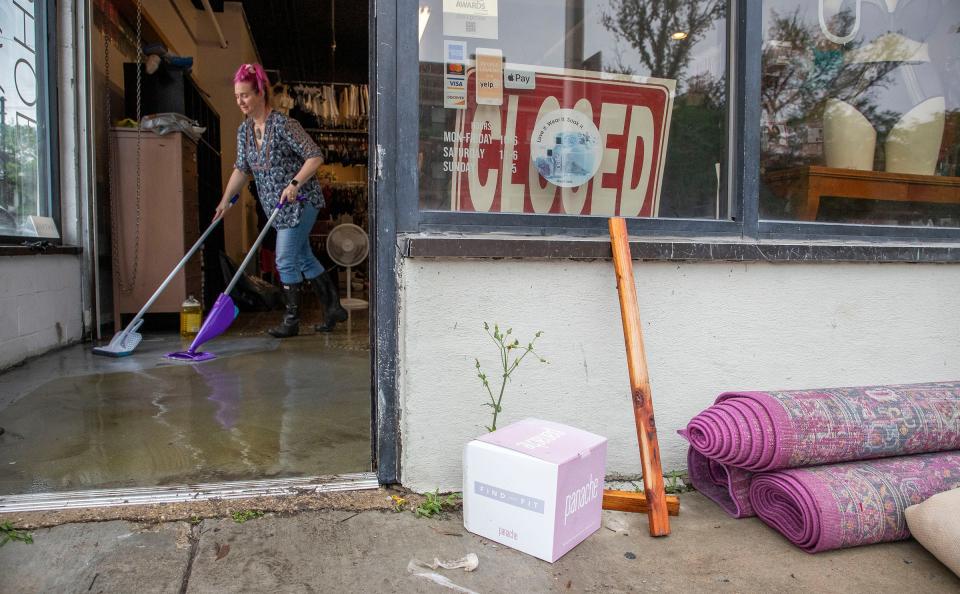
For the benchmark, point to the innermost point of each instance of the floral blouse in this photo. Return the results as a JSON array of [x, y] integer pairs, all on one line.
[[284, 149]]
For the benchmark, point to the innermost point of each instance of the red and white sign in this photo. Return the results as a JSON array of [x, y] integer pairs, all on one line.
[[490, 156]]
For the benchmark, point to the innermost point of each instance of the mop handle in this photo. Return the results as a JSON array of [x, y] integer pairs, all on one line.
[[253, 248], [180, 265]]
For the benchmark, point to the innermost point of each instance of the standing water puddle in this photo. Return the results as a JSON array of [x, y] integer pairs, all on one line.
[[302, 409]]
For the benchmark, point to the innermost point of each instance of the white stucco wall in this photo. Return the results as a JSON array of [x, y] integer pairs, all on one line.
[[39, 305], [709, 327]]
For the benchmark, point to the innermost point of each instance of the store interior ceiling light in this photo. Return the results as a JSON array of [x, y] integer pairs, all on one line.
[[679, 36]]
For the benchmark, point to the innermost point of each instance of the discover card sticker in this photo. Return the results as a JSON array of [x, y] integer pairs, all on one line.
[[454, 74], [470, 18]]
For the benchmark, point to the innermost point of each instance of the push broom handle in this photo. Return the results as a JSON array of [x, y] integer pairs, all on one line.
[[179, 266], [253, 249]]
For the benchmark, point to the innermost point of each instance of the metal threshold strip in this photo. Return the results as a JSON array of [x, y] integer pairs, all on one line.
[[184, 493]]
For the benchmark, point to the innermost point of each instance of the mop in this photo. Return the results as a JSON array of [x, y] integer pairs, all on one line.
[[123, 343], [224, 311]]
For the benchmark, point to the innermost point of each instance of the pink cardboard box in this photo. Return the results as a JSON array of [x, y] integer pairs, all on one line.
[[535, 486]]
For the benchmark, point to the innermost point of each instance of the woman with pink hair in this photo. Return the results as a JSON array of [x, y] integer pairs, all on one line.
[[282, 159]]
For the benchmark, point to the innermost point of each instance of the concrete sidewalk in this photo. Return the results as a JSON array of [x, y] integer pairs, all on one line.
[[368, 551]]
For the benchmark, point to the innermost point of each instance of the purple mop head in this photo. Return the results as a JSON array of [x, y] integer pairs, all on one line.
[[221, 315], [191, 357]]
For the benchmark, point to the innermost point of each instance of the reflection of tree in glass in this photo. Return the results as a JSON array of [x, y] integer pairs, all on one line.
[[18, 173], [705, 90], [696, 143], [801, 71], [649, 25]]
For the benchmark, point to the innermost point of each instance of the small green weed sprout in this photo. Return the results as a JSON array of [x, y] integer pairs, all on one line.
[[435, 503], [8, 533], [674, 483], [246, 515], [508, 346]]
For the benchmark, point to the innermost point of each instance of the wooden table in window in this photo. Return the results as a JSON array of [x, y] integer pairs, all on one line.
[[803, 187]]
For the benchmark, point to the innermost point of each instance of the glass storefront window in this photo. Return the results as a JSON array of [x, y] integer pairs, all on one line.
[[861, 111], [574, 107], [22, 120]]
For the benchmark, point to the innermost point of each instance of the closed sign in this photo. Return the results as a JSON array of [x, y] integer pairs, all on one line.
[[489, 151]]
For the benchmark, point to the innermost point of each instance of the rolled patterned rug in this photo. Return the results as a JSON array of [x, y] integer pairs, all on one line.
[[746, 432], [760, 431], [727, 486], [850, 504]]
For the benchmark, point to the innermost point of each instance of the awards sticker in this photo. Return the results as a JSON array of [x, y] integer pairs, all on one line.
[[471, 18], [566, 148], [489, 76]]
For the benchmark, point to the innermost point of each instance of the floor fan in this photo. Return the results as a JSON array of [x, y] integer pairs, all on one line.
[[348, 245]]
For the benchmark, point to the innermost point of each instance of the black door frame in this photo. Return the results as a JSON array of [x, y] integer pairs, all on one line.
[[386, 182]]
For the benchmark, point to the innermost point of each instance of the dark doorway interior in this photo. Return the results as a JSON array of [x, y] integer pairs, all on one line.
[[264, 408], [298, 36]]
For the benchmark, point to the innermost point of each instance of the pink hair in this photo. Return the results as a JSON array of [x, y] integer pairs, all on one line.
[[255, 75]]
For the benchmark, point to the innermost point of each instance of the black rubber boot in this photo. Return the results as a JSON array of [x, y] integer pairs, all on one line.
[[290, 326], [333, 312]]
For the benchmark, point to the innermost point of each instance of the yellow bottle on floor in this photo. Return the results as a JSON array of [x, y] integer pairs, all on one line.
[[190, 314]]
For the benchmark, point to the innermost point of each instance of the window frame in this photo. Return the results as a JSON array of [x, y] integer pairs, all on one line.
[[745, 41], [48, 124]]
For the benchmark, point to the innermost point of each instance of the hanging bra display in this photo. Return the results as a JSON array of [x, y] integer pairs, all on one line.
[[347, 148], [282, 101], [347, 198], [335, 105]]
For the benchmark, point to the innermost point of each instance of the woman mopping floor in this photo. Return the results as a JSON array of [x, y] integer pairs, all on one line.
[[282, 159]]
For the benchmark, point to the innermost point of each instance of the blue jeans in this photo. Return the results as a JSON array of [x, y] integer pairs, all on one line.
[[295, 259]]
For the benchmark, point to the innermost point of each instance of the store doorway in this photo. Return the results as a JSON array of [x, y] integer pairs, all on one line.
[[264, 408]]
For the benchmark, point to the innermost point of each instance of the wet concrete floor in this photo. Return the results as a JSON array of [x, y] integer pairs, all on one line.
[[264, 408]]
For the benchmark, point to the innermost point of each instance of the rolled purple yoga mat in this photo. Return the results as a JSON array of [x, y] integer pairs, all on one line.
[[760, 431], [851, 504]]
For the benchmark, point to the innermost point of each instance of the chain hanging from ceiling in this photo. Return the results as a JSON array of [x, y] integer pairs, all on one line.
[[333, 40], [125, 286]]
